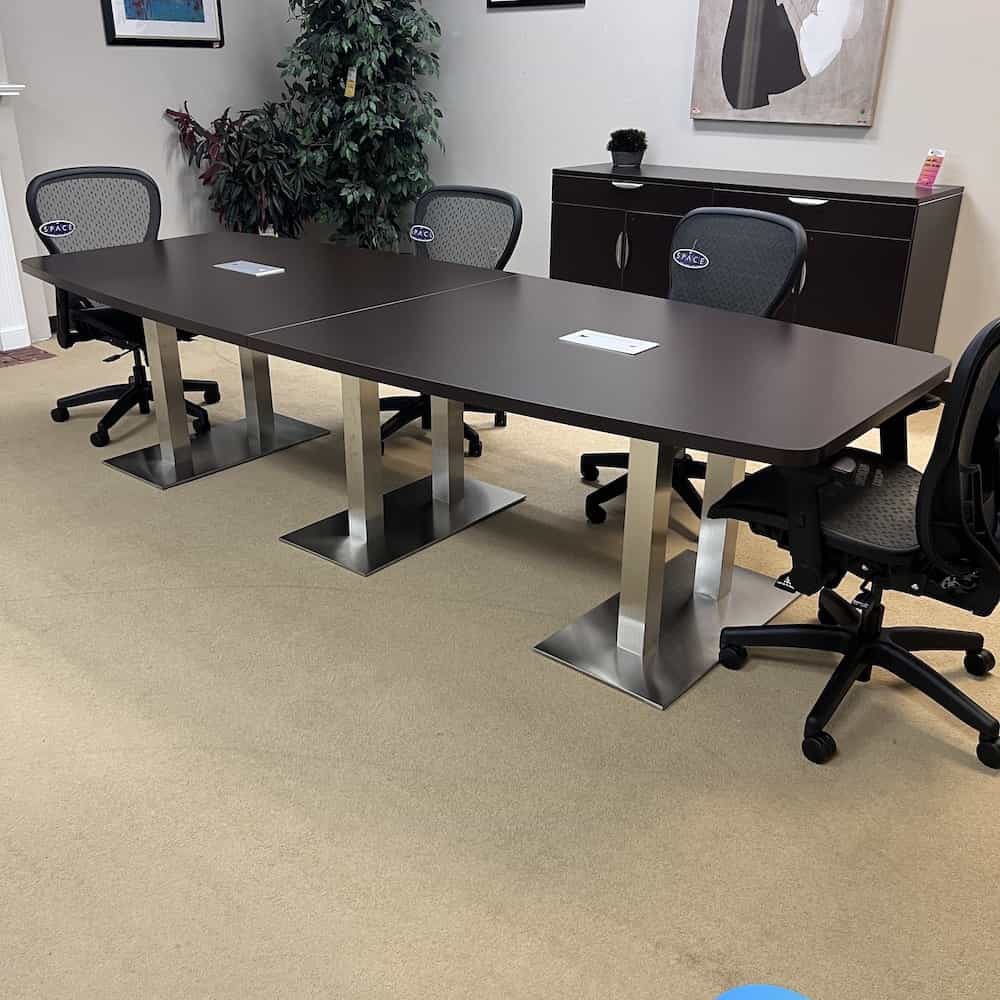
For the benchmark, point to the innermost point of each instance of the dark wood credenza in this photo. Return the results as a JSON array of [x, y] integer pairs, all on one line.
[[879, 251]]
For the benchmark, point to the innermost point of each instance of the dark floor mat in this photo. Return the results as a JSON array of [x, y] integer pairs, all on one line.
[[23, 356]]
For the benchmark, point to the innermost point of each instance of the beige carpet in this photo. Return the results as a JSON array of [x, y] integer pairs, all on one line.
[[231, 770]]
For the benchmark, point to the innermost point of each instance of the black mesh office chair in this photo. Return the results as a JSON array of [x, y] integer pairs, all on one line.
[[727, 258], [462, 225], [936, 535], [88, 208]]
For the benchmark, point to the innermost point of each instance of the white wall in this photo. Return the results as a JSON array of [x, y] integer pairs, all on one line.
[[91, 103], [527, 90]]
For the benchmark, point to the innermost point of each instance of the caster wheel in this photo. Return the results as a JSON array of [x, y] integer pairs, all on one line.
[[980, 662], [212, 396], [60, 414], [733, 657], [475, 449], [988, 753], [597, 515], [820, 749], [202, 425], [589, 473], [500, 420], [100, 438]]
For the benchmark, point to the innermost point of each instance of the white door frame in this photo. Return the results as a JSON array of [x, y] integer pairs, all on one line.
[[13, 317]]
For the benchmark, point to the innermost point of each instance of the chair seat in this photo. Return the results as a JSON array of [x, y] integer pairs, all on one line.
[[869, 510], [112, 326]]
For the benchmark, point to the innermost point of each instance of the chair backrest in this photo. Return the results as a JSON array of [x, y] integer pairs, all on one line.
[[737, 259], [467, 225], [957, 505], [89, 208]]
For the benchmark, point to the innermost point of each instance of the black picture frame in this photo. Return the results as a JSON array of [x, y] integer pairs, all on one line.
[[513, 4], [113, 38]]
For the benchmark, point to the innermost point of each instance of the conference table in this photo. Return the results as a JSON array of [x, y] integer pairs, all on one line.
[[740, 388]]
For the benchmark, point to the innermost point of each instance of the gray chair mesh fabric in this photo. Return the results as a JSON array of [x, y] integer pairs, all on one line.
[[468, 229], [107, 211], [749, 261]]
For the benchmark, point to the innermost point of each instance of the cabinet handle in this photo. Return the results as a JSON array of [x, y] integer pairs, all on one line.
[[618, 250], [809, 202], [627, 185], [628, 252]]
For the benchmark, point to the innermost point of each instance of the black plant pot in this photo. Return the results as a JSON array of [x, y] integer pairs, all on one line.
[[620, 158]]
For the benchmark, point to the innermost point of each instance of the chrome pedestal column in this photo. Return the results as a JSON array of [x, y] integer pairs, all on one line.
[[377, 530], [660, 634], [179, 458]]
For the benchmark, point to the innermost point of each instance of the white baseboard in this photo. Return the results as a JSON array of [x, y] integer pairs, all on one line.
[[14, 337]]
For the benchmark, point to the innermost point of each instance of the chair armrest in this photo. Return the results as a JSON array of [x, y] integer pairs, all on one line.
[[893, 432], [64, 332], [805, 539]]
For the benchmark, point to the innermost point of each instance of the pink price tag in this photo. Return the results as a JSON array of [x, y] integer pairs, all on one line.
[[931, 168]]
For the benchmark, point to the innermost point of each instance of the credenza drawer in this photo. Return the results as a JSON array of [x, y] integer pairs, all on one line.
[[629, 195], [830, 215]]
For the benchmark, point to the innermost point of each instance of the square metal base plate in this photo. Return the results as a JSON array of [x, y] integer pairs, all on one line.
[[224, 446], [413, 520], [689, 639]]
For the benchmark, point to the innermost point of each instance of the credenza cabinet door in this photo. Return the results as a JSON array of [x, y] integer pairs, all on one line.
[[854, 285], [647, 253], [588, 245]]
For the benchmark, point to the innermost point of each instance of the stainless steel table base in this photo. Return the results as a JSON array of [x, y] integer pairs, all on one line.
[[379, 529], [412, 520], [660, 634], [688, 639], [224, 446], [179, 458]]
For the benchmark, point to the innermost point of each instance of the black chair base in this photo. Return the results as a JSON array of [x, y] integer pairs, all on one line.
[[406, 409], [686, 468], [137, 392], [865, 643]]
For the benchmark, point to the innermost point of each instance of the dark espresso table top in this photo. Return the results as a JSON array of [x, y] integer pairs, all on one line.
[[174, 281], [722, 382], [726, 383]]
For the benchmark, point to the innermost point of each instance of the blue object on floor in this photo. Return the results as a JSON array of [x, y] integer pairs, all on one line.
[[761, 993]]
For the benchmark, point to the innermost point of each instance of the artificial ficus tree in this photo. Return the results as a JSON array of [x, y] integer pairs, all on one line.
[[356, 73]]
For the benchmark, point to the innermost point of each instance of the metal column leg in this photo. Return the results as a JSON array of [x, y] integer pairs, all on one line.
[[363, 451], [448, 455], [644, 547], [168, 394], [258, 404], [713, 575]]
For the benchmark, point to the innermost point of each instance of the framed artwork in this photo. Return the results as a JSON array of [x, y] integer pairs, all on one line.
[[501, 4], [164, 22], [813, 62]]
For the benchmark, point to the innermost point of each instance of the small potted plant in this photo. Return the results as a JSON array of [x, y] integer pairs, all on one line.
[[627, 147]]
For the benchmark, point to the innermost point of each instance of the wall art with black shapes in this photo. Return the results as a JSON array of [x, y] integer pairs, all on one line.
[[814, 62]]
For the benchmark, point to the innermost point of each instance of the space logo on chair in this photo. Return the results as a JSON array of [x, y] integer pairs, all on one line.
[[693, 260], [57, 228]]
